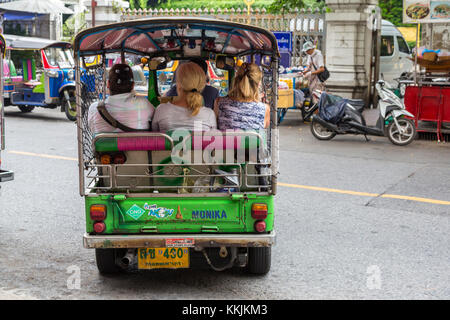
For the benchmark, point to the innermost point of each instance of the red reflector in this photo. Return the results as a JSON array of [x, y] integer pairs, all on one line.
[[98, 212], [259, 211], [260, 226], [99, 227], [119, 158]]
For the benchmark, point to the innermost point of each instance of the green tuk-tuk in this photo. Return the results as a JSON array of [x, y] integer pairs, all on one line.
[[4, 174], [171, 199]]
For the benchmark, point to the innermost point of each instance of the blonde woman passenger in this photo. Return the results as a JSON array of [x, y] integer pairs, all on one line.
[[242, 108], [188, 110]]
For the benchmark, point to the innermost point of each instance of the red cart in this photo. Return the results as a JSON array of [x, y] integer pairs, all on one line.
[[430, 104]]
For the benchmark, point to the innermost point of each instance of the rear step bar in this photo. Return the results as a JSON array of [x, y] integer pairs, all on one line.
[[197, 241]]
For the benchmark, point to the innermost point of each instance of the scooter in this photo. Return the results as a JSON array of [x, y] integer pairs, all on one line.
[[344, 116]]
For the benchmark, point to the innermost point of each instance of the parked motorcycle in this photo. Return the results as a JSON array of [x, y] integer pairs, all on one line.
[[344, 116]]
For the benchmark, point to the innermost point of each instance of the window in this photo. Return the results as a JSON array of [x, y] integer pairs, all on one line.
[[387, 45], [402, 45]]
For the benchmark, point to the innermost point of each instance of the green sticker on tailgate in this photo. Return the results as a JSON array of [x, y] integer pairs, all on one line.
[[135, 212]]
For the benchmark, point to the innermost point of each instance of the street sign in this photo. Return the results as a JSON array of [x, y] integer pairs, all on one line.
[[284, 40]]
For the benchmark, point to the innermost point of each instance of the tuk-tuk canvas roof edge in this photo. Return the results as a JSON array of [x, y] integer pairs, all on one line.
[[33, 43], [140, 36]]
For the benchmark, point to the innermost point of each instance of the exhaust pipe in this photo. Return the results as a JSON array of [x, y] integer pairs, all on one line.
[[127, 259], [366, 130]]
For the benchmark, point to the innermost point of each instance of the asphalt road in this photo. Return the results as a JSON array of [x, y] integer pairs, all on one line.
[[342, 234]]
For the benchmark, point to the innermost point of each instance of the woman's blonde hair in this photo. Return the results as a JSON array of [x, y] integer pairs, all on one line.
[[246, 82], [191, 80]]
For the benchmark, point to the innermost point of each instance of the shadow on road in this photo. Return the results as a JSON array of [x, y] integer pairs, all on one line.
[[57, 116]]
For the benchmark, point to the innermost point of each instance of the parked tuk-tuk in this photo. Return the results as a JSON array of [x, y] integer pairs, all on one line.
[[39, 73], [4, 174], [177, 199]]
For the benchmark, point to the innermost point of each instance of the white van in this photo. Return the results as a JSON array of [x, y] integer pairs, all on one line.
[[394, 55]]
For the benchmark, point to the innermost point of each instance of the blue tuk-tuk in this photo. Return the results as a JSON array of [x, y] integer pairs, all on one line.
[[4, 174], [39, 73]]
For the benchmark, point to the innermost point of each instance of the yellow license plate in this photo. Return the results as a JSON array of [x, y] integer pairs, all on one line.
[[163, 258]]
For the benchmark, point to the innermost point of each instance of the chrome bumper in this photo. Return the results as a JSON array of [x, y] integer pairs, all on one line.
[[160, 240]]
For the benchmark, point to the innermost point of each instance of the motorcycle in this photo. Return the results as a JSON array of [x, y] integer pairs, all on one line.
[[344, 116]]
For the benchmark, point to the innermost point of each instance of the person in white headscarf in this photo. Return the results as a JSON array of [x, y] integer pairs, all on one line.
[[314, 66]]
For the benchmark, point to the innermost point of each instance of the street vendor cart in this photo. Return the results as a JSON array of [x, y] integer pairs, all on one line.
[[427, 96]]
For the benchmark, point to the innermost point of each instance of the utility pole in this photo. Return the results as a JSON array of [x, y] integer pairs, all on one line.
[[93, 5]]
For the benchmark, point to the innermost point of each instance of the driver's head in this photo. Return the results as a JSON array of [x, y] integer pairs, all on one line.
[[201, 63], [120, 79]]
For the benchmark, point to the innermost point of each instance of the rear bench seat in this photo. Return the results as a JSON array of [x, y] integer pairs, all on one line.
[[138, 148], [138, 142]]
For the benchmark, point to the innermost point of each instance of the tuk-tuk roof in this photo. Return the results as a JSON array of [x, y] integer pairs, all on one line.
[[152, 36], [33, 43]]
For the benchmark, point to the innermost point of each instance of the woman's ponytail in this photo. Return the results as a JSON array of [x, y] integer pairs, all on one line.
[[246, 83], [194, 100]]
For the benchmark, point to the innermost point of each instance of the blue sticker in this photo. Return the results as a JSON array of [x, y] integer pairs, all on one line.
[[157, 212]]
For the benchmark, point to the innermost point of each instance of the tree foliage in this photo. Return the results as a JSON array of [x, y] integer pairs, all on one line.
[[392, 10], [288, 5], [144, 4]]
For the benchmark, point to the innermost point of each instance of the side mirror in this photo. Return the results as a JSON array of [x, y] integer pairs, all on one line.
[[225, 63], [158, 63], [92, 62]]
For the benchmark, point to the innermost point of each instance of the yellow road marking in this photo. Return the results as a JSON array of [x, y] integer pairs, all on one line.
[[353, 193], [290, 185], [42, 155], [418, 199], [366, 194]]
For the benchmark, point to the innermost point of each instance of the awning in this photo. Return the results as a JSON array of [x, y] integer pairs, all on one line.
[[15, 15], [32, 43]]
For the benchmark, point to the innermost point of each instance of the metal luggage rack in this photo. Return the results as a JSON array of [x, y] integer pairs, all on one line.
[[428, 77], [105, 178]]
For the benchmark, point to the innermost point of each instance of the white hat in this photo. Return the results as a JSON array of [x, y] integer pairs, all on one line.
[[308, 45]]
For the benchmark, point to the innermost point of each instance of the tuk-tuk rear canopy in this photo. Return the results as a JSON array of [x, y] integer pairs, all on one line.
[[33, 43], [151, 36]]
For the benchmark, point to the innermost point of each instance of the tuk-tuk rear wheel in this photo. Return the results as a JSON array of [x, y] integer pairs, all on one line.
[[106, 260], [259, 260]]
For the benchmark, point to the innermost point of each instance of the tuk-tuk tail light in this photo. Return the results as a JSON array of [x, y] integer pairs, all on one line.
[[119, 158], [105, 159], [259, 211], [97, 212]]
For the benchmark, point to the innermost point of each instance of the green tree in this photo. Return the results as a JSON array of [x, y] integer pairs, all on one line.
[[287, 5], [144, 4], [392, 10]]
